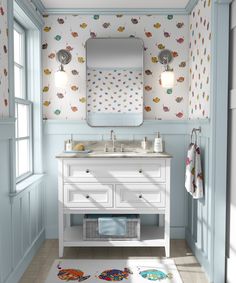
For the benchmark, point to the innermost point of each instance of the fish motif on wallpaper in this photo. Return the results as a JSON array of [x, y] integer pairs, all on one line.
[[60, 21], [51, 55], [4, 93], [47, 29], [57, 37], [66, 29], [74, 34], [2, 11], [45, 46], [200, 49], [157, 25], [156, 99], [180, 25]]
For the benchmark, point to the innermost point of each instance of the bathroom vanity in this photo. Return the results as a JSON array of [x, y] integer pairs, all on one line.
[[114, 183]]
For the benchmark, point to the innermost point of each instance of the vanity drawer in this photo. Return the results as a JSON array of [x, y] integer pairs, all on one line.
[[140, 195], [88, 195], [115, 169]]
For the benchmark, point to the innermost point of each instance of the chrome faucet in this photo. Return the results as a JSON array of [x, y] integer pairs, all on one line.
[[113, 138]]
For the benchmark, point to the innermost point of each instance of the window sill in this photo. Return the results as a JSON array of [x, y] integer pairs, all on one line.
[[26, 183]]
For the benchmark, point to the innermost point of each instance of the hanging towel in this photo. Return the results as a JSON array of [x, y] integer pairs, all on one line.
[[112, 226], [194, 176]]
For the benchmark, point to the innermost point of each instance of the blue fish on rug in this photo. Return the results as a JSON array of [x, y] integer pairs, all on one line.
[[155, 274], [115, 274]]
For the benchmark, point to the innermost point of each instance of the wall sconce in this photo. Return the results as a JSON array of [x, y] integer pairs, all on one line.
[[61, 78], [167, 77]]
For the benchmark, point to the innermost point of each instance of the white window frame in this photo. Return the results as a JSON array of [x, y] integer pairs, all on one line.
[[24, 101]]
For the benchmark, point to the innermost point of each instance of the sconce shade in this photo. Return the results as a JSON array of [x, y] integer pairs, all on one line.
[[168, 79], [61, 79]]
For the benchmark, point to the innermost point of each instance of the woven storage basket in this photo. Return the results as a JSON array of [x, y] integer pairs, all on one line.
[[90, 228]]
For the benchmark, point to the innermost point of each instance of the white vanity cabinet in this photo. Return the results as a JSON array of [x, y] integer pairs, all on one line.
[[105, 185]]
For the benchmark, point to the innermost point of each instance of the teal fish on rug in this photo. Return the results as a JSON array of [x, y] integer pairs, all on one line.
[[155, 274]]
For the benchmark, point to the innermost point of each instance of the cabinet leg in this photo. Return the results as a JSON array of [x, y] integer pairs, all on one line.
[[61, 249], [167, 249]]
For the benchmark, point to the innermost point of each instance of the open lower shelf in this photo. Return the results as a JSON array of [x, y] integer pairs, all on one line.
[[150, 237]]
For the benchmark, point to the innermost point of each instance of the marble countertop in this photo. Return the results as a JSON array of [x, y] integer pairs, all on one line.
[[114, 155]]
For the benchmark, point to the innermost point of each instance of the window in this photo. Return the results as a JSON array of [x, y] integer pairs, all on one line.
[[23, 107]]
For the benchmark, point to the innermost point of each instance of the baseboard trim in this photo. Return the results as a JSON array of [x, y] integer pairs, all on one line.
[[177, 233], [27, 258]]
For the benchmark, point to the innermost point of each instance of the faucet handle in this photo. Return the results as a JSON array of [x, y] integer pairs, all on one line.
[[105, 148]]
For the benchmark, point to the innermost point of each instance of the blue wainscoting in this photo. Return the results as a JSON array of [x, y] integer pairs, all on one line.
[[21, 214], [199, 229]]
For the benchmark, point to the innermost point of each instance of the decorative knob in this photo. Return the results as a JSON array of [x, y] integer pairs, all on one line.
[[87, 196], [140, 196], [140, 171], [87, 171]]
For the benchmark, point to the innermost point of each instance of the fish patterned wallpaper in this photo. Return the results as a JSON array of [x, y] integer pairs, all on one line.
[[200, 61], [157, 32], [4, 95], [126, 86]]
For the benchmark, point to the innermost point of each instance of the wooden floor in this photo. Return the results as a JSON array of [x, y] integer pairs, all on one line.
[[187, 264]]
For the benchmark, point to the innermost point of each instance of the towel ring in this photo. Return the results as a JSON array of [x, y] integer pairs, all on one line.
[[194, 132]]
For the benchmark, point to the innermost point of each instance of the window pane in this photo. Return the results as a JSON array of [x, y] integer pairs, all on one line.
[[16, 116], [17, 164], [23, 120], [24, 162], [18, 72], [17, 47]]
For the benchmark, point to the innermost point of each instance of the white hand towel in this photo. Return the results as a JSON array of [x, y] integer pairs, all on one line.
[[198, 178], [194, 176], [190, 162]]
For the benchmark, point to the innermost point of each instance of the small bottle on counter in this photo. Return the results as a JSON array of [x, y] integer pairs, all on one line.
[[69, 144], [158, 144], [144, 143]]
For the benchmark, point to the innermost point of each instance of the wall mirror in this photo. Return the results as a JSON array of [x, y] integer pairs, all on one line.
[[114, 81]]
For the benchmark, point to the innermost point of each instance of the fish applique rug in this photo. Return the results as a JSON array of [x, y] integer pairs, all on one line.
[[123, 271]]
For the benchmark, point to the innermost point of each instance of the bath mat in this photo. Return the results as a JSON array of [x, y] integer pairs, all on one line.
[[102, 271]]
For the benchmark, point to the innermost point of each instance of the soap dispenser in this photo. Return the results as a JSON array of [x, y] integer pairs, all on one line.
[[158, 144], [69, 144]]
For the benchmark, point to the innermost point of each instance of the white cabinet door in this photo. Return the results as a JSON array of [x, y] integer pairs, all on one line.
[[88, 195], [140, 196]]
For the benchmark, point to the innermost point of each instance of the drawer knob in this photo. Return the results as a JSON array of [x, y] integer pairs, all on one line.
[[140, 196], [140, 171], [87, 196], [87, 171]]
